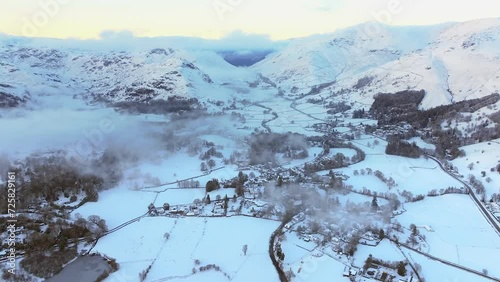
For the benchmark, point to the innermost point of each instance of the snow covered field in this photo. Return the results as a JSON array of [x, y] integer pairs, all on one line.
[[216, 241], [460, 233], [117, 205], [385, 250], [321, 269], [434, 271], [418, 176], [483, 157], [308, 264]]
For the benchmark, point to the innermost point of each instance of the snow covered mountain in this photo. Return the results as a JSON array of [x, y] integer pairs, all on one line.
[[115, 76], [329, 58], [451, 62]]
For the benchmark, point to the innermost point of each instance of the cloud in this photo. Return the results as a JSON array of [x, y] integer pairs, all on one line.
[[126, 40], [116, 35], [328, 6], [244, 41]]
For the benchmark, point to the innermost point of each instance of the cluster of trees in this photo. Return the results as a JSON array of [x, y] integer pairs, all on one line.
[[173, 104], [234, 157], [394, 202], [188, 183], [375, 206], [238, 183], [362, 82], [45, 266], [317, 88], [391, 109], [409, 197], [449, 190], [394, 108], [352, 245], [398, 147], [211, 152], [238, 116], [333, 143], [50, 177], [337, 107], [264, 146], [338, 161], [205, 166], [392, 265], [279, 252], [391, 183], [359, 113], [10, 101], [210, 267], [208, 155], [63, 233], [401, 269], [403, 107], [212, 185], [367, 171], [17, 277], [495, 198], [477, 184], [448, 143], [51, 249]]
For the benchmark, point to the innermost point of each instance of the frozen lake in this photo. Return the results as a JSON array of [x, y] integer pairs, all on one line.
[[83, 269]]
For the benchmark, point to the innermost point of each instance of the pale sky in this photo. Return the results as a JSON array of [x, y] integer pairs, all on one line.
[[280, 19]]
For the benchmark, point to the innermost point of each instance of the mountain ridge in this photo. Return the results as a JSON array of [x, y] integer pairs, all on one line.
[[451, 62]]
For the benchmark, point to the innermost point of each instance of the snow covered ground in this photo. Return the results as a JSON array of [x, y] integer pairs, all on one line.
[[421, 143], [451, 62], [118, 205], [418, 176], [385, 250], [308, 264], [434, 271], [460, 233], [483, 157], [216, 241]]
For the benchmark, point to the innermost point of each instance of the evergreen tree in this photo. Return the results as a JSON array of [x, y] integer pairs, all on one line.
[[280, 181], [240, 191], [212, 185], [375, 203], [242, 178], [381, 234], [203, 166], [414, 230], [226, 205], [401, 269], [368, 262]]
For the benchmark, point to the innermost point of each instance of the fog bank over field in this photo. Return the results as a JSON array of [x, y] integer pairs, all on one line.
[[53, 123]]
